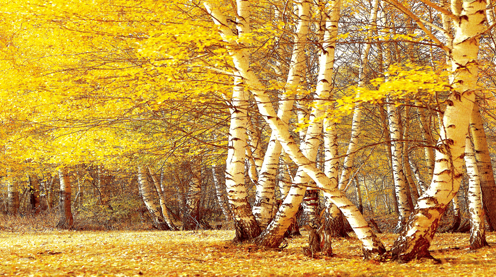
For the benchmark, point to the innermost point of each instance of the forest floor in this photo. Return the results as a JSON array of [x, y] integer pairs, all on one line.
[[211, 253]]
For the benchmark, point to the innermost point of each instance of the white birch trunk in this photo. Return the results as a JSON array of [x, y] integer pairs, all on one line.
[[264, 202], [427, 138], [421, 186], [191, 217], [244, 222], [477, 229], [488, 185], [371, 244], [285, 178], [415, 239], [65, 214], [161, 197], [218, 193], [400, 185], [147, 195]]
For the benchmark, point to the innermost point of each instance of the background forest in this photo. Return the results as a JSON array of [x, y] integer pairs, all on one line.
[[189, 115]]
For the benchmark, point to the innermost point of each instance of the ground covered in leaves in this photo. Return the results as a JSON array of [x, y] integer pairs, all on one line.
[[211, 253]]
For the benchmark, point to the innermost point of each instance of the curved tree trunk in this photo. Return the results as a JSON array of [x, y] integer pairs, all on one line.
[[415, 239]]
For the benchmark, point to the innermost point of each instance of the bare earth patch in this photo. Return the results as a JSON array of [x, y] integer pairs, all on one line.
[[210, 253]]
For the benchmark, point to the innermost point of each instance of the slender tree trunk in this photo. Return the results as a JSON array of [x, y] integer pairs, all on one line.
[[413, 192], [414, 241], [358, 195], [191, 217], [457, 216], [429, 141], [488, 185], [422, 187], [218, 193], [477, 230], [65, 215], [400, 185], [245, 222]]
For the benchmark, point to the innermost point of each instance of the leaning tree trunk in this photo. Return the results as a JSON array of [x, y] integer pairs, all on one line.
[[161, 197], [264, 202], [477, 230], [415, 239], [65, 214], [371, 244], [484, 162], [149, 200], [337, 224]]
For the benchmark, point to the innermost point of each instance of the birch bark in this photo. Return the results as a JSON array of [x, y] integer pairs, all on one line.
[[65, 213], [477, 230], [415, 239], [264, 202], [371, 244], [161, 197], [147, 195], [486, 169]]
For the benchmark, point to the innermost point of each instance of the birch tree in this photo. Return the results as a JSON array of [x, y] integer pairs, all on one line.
[[484, 163], [468, 22], [477, 229], [65, 212]]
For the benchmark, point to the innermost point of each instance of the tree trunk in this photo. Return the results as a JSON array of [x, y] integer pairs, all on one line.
[[310, 205], [264, 202], [149, 200], [488, 185], [65, 214], [191, 217], [161, 197], [371, 244], [415, 239], [220, 195], [400, 185], [477, 230]]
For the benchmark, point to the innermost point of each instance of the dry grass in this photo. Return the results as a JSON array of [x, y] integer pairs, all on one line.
[[210, 253]]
